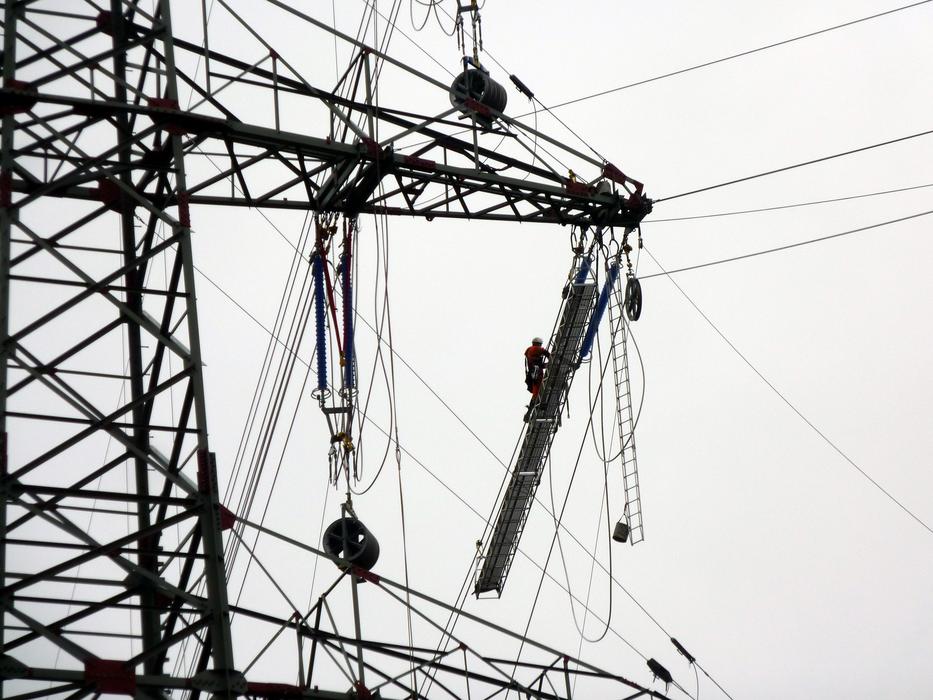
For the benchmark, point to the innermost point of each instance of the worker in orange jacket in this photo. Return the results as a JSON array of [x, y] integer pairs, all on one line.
[[536, 357]]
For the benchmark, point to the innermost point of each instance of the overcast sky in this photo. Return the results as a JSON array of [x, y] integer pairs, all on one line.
[[774, 387], [778, 565]]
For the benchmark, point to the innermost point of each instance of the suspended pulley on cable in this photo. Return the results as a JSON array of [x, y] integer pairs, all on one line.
[[349, 539], [473, 91]]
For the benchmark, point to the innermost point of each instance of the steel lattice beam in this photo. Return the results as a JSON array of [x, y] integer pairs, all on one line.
[[109, 488], [101, 354], [353, 172]]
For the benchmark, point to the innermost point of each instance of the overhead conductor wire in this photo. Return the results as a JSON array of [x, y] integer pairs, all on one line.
[[789, 246], [446, 486], [461, 421], [559, 519], [797, 165], [790, 405], [741, 54], [780, 207]]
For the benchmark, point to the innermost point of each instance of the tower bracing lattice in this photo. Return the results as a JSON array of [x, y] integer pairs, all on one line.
[[110, 488], [110, 506]]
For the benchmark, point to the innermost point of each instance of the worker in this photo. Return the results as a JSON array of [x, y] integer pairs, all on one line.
[[535, 360]]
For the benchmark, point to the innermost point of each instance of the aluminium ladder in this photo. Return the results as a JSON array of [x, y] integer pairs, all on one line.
[[543, 423], [623, 391]]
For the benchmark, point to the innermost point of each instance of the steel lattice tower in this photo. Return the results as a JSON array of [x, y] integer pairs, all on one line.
[[102, 407], [62, 364]]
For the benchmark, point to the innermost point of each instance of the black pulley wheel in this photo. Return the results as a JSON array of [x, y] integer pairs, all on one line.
[[349, 539], [633, 299], [476, 85]]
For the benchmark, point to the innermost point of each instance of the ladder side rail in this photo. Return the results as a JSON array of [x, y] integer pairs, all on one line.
[[503, 535], [630, 484], [536, 447], [526, 510]]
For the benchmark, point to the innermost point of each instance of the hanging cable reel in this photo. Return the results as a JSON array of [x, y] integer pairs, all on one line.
[[349, 539], [474, 93]]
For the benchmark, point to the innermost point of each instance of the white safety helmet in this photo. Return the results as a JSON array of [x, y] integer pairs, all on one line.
[[537, 341]]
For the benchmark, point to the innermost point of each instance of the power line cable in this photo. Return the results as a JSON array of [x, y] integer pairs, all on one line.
[[558, 519], [584, 604], [724, 691], [786, 206], [788, 246], [741, 54], [489, 450], [796, 410], [721, 60], [370, 3], [531, 559], [454, 493], [463, 593], [797, 165]]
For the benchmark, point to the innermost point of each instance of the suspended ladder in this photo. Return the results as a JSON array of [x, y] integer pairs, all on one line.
[[543, 422], [626, 427], [574, 340]]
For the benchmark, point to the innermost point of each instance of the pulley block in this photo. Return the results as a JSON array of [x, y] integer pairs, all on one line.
[[474, 93], [620, 533], [633, 299]]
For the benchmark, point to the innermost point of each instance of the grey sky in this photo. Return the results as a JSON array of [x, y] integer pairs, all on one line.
[[780, 568], [775, 562]]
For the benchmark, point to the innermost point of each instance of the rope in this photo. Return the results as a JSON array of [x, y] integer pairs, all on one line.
[[789, 246], [738, 55], [393, 403], [589, 585], [379, 357], [783, 398], [786, 206], [532, 560], [452, 618], [798, 165], [320, 536], [413, 42], [558, 521], [560, 548]]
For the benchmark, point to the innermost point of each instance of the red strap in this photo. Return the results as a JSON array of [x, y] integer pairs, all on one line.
[[365, 574]]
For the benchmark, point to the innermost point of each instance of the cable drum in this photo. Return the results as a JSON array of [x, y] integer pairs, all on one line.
[[633, 299], [473, 84], [349, 539]]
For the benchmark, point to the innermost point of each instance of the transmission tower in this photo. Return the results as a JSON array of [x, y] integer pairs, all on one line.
[[103, 419]]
